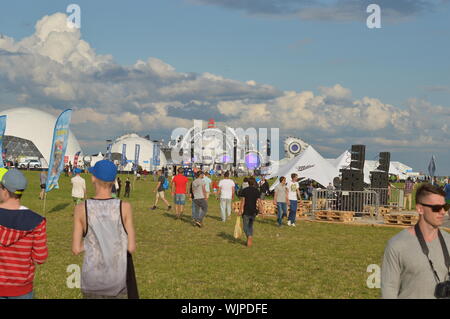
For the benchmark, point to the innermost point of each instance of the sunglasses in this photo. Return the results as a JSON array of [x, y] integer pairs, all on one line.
[[437, 208]]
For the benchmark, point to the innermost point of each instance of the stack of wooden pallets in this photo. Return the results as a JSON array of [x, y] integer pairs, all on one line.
[[335, 215], [267, 207], [401, 219], [307, 206]]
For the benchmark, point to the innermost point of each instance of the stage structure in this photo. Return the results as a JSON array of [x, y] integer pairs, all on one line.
[[220, 148]]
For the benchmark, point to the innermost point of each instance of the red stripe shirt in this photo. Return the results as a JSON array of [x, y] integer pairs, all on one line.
[[20, 250]]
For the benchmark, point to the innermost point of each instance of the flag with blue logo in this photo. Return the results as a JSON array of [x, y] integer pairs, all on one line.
[[58, 151], [124, 155], [136, 156], [156, 151], [2, 133], [108, 152], [432, 166]]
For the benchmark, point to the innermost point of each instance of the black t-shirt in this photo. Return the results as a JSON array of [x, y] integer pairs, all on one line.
[[161, 179], [251, 195], [127, 185]]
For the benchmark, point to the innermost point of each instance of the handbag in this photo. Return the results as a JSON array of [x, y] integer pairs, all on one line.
[[238, 228], [132, 288]]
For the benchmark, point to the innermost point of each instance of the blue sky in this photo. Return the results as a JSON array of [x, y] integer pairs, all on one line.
[[288, 45]]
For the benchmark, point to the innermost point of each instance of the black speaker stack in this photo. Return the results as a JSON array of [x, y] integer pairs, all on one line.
[[379, 179], [353, 177], [353, 180]]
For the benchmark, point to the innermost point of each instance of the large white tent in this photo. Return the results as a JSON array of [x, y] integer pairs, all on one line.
[[35, 128], [308, 164]]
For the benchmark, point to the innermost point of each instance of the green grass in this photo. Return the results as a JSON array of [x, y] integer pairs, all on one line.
[[177, 260]]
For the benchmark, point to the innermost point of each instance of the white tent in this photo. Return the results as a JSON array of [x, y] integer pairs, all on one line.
[[310, 165], [343, 161]]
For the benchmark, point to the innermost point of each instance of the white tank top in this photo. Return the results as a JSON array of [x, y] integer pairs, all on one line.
[[105, 244]]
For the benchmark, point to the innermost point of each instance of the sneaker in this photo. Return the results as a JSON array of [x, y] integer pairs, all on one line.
[[289, 223], [169, 208], [153, 208], [293, 225], [199, 224]]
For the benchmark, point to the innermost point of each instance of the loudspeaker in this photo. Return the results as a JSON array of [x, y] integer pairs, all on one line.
[[234, 153], [352, 180], [358, 155], [379, 179], [385, 160]]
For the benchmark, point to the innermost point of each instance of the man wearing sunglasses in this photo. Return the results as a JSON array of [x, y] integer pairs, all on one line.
[[414, 260]]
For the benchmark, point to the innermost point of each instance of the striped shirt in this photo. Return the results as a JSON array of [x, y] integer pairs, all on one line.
[[23, 244]]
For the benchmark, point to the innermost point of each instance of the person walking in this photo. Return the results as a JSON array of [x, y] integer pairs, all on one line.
[[43, 181], [409, 187], [250, 201], [23, 239], [226, 195], [415, 260], [160, 191], [200, 202], [127, 188], [293, 196], [104, 231], [207, 180], [119, 186], [78, 187], [280, 199], [447, 191], [179, 191]]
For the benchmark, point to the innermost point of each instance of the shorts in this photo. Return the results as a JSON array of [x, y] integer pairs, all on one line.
[[160, 194], [77, 200], [180, 199]]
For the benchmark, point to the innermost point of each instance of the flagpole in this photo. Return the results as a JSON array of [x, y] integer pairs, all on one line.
[[45, 200]]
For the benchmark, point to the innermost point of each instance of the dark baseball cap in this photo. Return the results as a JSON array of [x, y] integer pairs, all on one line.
[[104, 170], [14, 181]]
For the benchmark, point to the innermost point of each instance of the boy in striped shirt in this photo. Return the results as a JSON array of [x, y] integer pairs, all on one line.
[[23, 239]]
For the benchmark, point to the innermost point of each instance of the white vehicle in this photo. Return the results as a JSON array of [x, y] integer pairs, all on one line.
[[32, 163]]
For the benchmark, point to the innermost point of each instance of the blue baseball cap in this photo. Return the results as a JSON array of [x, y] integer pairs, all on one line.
[[77, 171], [104, 170]]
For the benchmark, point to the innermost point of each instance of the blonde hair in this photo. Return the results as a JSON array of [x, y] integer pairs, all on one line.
[[103, 184]]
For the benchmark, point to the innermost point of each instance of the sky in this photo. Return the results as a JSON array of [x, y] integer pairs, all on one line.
[[309, 67]]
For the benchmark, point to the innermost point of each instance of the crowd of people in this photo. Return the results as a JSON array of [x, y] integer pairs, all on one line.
[[415, 264]]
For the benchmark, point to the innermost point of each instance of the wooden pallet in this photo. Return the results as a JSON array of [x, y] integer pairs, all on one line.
[[401, 219], [335, 215]]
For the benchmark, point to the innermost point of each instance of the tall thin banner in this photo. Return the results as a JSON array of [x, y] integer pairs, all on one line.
[[108, 152], [156, 151], [432, 166], [75, 159], [59, 146], [124, 155], [136, 155], [2, 133]]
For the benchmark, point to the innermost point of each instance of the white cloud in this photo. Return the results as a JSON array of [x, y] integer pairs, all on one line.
[[54, 69]]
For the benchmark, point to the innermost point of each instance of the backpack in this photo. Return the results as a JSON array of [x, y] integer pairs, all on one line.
[[165, 185], [236, 189]]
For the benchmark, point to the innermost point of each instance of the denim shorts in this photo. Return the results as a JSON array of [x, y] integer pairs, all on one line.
[[180, 199]]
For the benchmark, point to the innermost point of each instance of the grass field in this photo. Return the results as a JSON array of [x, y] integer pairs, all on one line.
[[177, 260]]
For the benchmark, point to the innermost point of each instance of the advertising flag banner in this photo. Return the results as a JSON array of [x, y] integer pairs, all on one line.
[[58, 151], [124, 155], [108, 152], [156, 151], [75, 159], [432, 166], [136, 155], [2, 133]]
